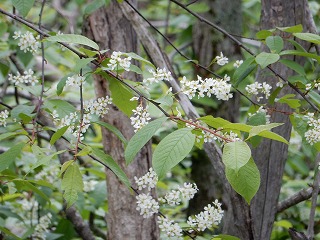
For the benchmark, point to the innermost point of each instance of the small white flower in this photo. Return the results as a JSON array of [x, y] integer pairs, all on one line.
[[238, 63], [3, 117], [27, 42], [188, 190], [313, 134], [170, 228], [75, 80], [140, 117], [117, 60], [157, 76], [212, 215], [147, 205], [258, 88], [149, 180], [27, 77], [221, 60]]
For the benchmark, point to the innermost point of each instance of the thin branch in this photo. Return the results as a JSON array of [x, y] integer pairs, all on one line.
[[296, 198], [315, 192], [227, 34]]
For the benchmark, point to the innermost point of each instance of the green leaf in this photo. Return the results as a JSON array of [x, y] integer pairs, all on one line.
[[72, 184], [275, 43], [214, 122], [9, 156], [42, 158], [243, 71], [300, 53], [141, 138], [114, 130], [58, 134], [7, 232], [172, 150], [62, 84], [62, 107], [108, 161], [256, 130], [22, 184], [238, 127], [246, 181], [264, 59], [292, 29], [93, 6], [136, 69], [263, 34], [81, 63], [294, 66], [309, 37], [121, 96], [65, 166], [236, 155], [84, 151], [6, 135], [23, 112], [4, 68], [273, 136], [73, 38], [23, 6], [293, 103]]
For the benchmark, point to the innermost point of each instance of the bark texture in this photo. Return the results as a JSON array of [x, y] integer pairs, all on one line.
[[111, 30]]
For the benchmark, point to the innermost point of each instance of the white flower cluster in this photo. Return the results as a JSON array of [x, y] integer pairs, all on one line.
[[221, 60], [174, 197], [256, 88], [313, 135], [116, 60], [170, 228], [208, 86], [99, 106], [49, 173], [211, 215], [149, 180], [147, 205], [27, 42], [42, 227], [27, 77], [238, 63], [89, 185], [316, 85], [3, 117], [262, 110], [140, 117], [75, 80], [158, 75]]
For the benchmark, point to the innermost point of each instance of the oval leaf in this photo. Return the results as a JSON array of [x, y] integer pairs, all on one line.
[[246, 182], [10, 156], [264, 59], [141, 138], [23, 6], [275, 43], [309, 37], [114, 130], [236, 155], [73, 38], [58, 134], [172, 150]]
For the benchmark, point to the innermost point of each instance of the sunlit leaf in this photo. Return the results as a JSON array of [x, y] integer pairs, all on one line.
[[73, 38]]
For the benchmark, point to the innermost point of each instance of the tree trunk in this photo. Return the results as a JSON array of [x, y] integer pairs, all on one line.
[[270, 156], [111, 30]]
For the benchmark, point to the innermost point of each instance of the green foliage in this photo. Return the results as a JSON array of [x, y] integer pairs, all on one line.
[[108, 161], [75, 39], [243, 71], [72, 183], [246, 181], [114, 130], [8, 157], [141, 138], [23, 6], [275, 43], [265, 59], [58, 134], [236, 155], [172, 150]]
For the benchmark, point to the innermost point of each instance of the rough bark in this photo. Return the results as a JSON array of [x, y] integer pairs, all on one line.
[[208, 43], [111, 30]]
